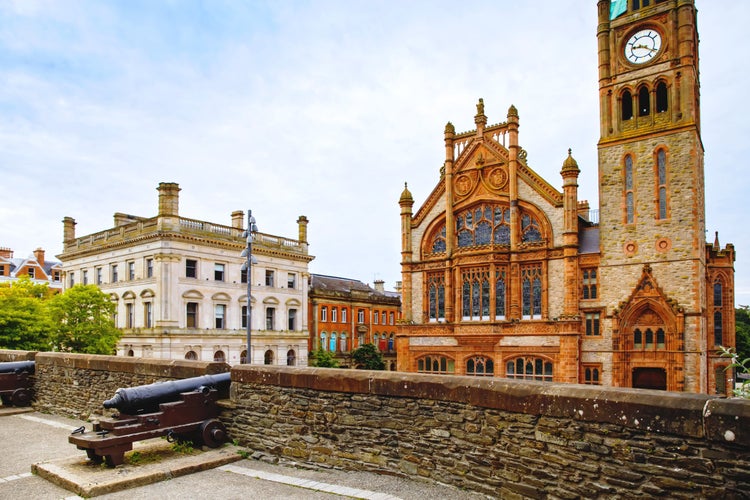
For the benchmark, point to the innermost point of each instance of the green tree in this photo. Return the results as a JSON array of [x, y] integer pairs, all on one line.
[[82, 319], [325, 359], [24, 321], [367, 357], [742, 330]]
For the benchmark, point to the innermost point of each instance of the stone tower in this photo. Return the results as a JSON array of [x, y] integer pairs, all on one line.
[[651, 192]]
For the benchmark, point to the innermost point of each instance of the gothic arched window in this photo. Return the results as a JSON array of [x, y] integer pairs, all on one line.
[[662, 102], [627, 105], [644, 104]]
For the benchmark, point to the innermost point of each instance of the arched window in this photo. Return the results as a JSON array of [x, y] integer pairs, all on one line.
[[475, 294], [661, 184], [436, 364], [480, 366], [390, 343], [662, 102], [529, 368], [644, 104], [191, 355], [629, 192], [291, 357], [243, 357], [323, 341], [591, 375], [530, 231], [720, 378], [718, 329], [131, 353], [332, 342], [531, 292], [438, 243], [637, 339], [627, 105], [717, 294], [268, 357], [436, 296], [500, 294], [343, 344], [219, 357]]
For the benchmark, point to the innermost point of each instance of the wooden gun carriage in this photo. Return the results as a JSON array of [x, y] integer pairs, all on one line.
[[181, 410], [15, 382]]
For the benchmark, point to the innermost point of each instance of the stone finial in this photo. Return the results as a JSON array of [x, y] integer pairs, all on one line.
[[406, 195], [512, 112], [450, 129], [570, 165], [480, 118]]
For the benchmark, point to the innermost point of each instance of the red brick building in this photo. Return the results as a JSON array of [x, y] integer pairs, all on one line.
[[36, 267], [346, 314]]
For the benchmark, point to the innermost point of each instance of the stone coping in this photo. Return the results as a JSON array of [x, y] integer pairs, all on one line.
[[163, 368], [692, 415], [9, 355]]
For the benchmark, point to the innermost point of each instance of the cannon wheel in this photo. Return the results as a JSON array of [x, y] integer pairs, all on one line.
[[213, 433], [21, 397]]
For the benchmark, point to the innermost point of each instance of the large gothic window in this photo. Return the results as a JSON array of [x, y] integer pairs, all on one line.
[[483, 225], [530, 229], [438, 243], [475, 294], [661, 181]]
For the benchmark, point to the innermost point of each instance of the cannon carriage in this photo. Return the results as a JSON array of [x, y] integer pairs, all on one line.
[[181, 410], [16, 388]]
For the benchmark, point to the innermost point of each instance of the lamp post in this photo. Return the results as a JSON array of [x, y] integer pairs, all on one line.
[[247, 266]]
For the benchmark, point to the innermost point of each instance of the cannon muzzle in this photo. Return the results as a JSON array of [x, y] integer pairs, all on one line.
[[147, 398], [17, 367]]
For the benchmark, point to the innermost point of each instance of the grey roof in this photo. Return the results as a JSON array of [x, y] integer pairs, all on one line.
[[588, 240]]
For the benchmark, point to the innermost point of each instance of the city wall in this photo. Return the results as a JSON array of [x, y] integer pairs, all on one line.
[[515, 439]]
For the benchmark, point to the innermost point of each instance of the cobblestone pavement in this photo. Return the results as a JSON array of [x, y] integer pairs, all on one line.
[[29, 438]]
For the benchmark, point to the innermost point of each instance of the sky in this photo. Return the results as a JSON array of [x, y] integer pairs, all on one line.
[[320, 108]]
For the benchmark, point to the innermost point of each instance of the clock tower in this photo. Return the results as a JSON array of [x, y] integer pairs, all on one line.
[[651, 190]]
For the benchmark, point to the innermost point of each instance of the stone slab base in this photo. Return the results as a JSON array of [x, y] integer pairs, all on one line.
[[156, 462], [14, 410]]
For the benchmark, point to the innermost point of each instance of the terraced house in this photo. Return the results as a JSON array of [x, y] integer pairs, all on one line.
[[506, 275], [180, 289]]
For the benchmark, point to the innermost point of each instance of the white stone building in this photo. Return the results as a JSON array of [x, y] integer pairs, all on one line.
[[180, 289]]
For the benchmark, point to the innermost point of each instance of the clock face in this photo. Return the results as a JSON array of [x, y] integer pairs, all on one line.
[[643, 46]]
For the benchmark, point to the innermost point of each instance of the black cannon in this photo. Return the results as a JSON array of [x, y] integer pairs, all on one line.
[[181, 410], [15, 382]]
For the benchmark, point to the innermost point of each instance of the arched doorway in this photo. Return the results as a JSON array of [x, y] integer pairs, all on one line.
[[243, 357], [191, 355], [220, 357], [650, 378], [268, 357], [291, 358]]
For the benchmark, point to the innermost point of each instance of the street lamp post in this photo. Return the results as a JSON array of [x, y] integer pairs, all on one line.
[[247, 266]]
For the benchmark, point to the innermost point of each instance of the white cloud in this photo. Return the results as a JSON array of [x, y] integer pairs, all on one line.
[[315, 108]]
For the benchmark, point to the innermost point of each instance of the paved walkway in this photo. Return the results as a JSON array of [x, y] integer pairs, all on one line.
[[29, 438]]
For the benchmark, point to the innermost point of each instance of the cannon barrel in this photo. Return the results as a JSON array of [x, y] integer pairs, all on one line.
[[147, 398], [17, 367]]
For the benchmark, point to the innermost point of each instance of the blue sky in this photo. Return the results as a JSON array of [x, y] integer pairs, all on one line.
[[321, 108]]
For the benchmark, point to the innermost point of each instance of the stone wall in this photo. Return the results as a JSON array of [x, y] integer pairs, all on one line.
[[76, 385], [502, 437]]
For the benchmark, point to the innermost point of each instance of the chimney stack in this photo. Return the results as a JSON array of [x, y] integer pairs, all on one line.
[[169, 199], [39, 256], [238, 219]]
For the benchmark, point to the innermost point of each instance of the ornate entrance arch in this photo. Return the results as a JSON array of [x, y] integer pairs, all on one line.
[[649, 345]]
